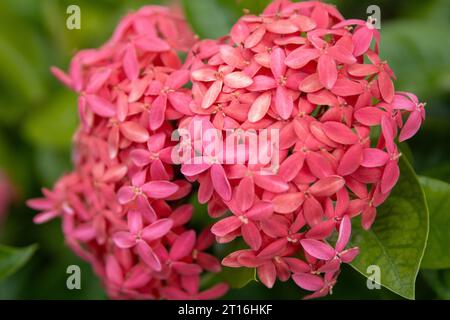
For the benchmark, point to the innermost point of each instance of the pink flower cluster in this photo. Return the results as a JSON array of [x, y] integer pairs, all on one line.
[[121, 208], [317, 78], [300, 69]]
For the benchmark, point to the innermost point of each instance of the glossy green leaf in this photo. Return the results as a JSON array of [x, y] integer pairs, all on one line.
[[209, 19], [236, 278], [397, 240], [12, 259], [437, 254]]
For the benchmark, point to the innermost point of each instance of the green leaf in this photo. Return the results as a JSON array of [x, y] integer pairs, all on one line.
[[254, 6], [12, 259], [209, 19], [397, 240], [53, 126], [437, 254], [236, 278]]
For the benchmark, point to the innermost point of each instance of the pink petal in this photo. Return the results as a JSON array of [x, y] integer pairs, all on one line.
[[271, 183], [319, 165], [137, 277], [239, 32], [311, 84], [291, 166], [212, 94], [40, 204], [157, 229], [130, 63], [386, 86], [345, 230], [312, 211], [255, 38], [148, 256], [214, 292], [339, 132], [297, 265], [260, 107], [232, 57], [341, 54], [205, 75], [237, 80], [101, 106], [134, 221], [267, 274], [133, 131], [125, 195], [178, 79], [362, 70], [113, 270], [345, 87], [145, 208], [277, 64], [362, 39], [369, 116], [351, 160], [390, 176], [318, 249], [226, 226], [251, 235], [262, 83], [157, 112], [220, 182], [287, 203], [180, 101], [124, 239], [245, 193], [282, 27], [283, 102], [411, 126], [308, 281], [183, 245], [261, 210], [62, 76], [45, 216], [300, 57], [191, 170], [159, 189], [97, 80], [152, 44], [368, 217], [349, 255], [273, 249], [373, 158], [387, 129], [327, 71], [140, 157], [328, 186]]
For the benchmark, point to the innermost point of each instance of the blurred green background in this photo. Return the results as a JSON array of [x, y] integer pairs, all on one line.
[[38, 117]]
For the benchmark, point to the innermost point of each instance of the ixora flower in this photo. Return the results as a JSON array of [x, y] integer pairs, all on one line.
[[302, 69], [276, 125], [120, 207]]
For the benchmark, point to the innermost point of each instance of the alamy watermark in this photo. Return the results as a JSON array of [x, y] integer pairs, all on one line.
[[204, 144], [73, 21], [73, 281], [373, 277]]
